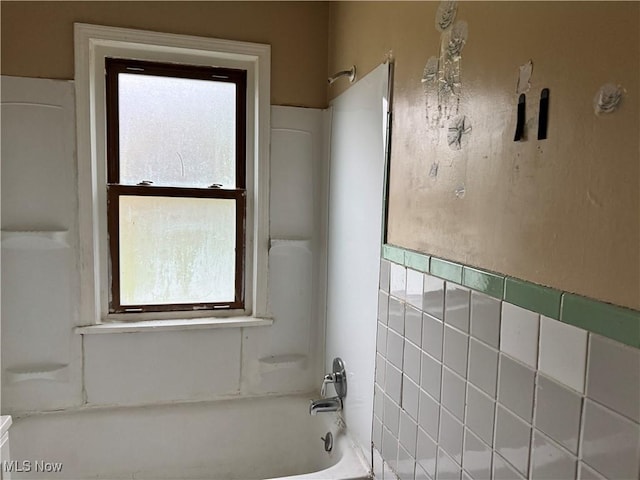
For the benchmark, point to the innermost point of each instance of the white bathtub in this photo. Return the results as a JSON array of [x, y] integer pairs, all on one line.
[[244, 439]]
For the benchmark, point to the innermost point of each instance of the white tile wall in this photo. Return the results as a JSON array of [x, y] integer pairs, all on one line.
[[614, 376], [519, 334], [520, 396], [610, 442], [563, 350], [549, 460]]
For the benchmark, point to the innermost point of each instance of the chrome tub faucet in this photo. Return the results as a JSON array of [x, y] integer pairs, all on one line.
[[339, 380]]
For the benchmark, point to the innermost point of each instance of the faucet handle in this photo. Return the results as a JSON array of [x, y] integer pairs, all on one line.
[[328, 378]]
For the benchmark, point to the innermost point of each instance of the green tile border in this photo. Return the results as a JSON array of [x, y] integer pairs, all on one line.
[[393, 254], [445, 269], [618, 323], [417, 261], [536, 298], [482, 281], [612, 321]]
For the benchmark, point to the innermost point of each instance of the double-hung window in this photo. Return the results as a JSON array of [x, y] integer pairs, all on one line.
[[176, 186], [173, 178]]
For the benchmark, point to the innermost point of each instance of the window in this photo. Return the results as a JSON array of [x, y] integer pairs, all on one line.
[[175, 186], [133, 185]]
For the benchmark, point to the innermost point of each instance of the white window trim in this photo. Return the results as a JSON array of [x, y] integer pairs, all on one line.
[[92, 44]]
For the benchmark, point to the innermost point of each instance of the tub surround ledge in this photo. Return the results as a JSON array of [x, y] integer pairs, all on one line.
[[173, 325]]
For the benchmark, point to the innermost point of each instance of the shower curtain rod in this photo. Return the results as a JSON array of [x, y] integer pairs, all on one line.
[[344, 73]]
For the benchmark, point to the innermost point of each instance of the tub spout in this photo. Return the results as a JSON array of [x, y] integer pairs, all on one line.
[[333, 404]]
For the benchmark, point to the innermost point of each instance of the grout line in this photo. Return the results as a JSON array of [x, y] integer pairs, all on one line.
[[533, 429]]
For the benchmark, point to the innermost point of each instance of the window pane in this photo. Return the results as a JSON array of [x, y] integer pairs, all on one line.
[[176, 131], [176, 250]]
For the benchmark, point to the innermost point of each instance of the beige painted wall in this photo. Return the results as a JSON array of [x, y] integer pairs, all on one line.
[[563, 212], [37, 37]]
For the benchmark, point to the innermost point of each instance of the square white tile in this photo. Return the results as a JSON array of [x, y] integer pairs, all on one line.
[[406, 464], [456, 306], [614, 376], [376, 432], [502, 470], [395, 348], [421, 474], [411, 364], [430, 376], [432, 336], [429, 415], [587, 473], [391, 416], [413, 325], [393, 383], [485, 318], [410, 397], [516, 387], [519, 334], [378, 401], [558, 411], [381, 367], [550, 461], [408, 433], [451, 435], [414, 288], [385, 268], [453, 393], [483, 367], [477, 456], [610, 442], [448, 469], [426, 453], [480, 414], [378, 462], [383, 307], [433, 297], [513, 439], [396, 315], [390, 446], [381, 339], [398, 281], [563, 352], [456, 346]]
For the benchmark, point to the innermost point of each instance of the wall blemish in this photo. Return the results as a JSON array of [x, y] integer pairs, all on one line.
[[524, 77], [608, 98], [446, 14]]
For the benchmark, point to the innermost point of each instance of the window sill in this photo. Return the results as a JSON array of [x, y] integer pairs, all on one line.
[[173, 325]]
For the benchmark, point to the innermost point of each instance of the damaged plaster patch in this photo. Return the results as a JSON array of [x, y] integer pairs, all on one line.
[[459, 34], [458, 127], [608, 98], [430, 70], [524, 78], [446, 14]]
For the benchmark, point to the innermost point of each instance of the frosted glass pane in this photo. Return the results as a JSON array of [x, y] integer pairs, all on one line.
[[176, 131], [176, 250]]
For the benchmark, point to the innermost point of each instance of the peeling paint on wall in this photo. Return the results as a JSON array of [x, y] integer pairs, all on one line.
[[524, 77], [608, 98], [458, 127], [446, 14], [441, 79]]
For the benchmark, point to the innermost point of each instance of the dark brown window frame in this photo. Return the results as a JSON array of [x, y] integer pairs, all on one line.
[[115, 66]]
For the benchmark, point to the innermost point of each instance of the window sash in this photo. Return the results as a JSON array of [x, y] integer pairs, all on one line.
[[113, 67], [114, 191], [116, 66]]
